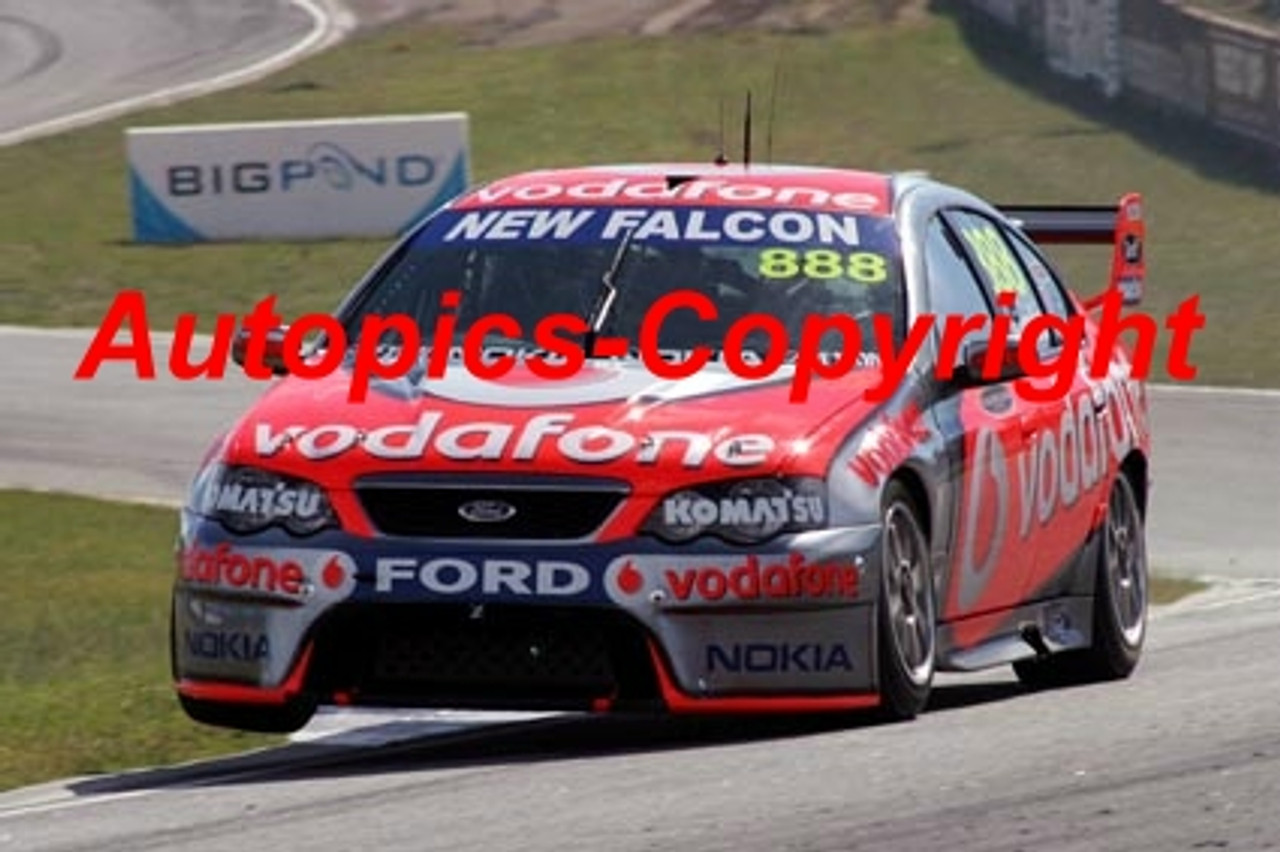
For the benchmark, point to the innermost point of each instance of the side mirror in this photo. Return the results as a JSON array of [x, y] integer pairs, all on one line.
[[973, 359], [272, 352]]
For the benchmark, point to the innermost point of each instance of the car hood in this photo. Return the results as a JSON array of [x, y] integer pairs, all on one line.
[[612, 419]]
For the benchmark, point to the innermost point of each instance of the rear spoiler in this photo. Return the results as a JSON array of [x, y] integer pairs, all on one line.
[[1121, 224]]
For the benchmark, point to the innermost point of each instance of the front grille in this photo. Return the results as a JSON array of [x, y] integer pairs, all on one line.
[[449, 655], [459, 656], [545, 509]]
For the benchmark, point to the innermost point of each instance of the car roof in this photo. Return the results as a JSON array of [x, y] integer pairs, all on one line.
[[701, 184]]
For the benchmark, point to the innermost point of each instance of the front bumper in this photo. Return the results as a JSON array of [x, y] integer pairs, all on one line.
[[787, 626]]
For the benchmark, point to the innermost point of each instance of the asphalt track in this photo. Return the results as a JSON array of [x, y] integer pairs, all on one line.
[[1185, 755], [66, 63]]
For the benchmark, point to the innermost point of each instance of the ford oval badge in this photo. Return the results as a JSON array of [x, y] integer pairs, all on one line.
[[487, 511]]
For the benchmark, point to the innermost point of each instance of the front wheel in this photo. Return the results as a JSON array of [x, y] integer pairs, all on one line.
[[1119, 603], [906, 615]]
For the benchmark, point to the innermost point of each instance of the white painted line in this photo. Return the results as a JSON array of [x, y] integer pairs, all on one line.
[[1221, 593], [368, 727], [67, 804], [331, 22], [1212, 390], [64, 333], [666, 21], [1230, 602], [104, 496]]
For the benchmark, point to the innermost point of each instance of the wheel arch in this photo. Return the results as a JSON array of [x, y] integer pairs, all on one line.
[[1135, 468], [912, 480]]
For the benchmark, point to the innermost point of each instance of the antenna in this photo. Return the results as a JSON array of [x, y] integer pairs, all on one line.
[[721, 159], [773, 103], [746, 133]]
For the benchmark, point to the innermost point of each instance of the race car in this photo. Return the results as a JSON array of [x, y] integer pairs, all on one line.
[[682, 438]]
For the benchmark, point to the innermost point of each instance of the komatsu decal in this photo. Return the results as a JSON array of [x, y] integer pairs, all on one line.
[[272, 501], [796, 509]]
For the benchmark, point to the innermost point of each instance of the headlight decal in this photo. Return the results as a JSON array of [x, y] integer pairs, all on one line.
[[746, 511], [247, 500]]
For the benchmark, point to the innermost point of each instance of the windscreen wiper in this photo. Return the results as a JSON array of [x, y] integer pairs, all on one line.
[[607, 295]]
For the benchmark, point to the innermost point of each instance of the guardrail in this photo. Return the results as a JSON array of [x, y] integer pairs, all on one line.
[[1170, 55]]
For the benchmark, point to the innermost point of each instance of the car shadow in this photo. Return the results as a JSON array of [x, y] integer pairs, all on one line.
[[548, 739]]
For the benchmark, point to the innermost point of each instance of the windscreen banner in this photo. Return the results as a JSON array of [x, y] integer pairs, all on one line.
[[294, 180]]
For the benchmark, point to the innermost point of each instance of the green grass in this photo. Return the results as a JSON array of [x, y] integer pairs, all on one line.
[[84, 665], [882, 96]]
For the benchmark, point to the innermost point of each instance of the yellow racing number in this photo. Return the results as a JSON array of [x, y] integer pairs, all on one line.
[[996, 259], [865, 267]]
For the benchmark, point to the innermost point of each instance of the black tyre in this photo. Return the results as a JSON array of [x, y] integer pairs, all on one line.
[[269, 719], [1119, 603], [906, 614]]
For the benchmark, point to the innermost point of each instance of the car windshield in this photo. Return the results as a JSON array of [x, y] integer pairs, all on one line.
[[530, 263]]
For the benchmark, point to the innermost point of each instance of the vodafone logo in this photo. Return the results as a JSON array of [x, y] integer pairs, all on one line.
[[707, 190], [545, 433], [263, 571], [750, 578]]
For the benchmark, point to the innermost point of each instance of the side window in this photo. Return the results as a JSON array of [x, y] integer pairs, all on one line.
[[999, 266], [1042, 276], [953, 287]]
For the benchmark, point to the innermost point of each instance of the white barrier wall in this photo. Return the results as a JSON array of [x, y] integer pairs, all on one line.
[[359, 177]]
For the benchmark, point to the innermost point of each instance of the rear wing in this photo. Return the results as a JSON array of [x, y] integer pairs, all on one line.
[[1121, 224]]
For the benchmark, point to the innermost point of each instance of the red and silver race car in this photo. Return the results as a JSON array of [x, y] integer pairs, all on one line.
[[476, 532]]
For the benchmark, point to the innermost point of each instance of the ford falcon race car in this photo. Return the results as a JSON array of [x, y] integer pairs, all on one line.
[[477, 532]]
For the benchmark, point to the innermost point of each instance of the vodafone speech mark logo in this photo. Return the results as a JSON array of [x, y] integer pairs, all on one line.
[[676, 580]]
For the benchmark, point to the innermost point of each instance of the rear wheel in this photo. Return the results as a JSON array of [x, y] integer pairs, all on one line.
[[1119, 603], [266, 719], [906, 615]]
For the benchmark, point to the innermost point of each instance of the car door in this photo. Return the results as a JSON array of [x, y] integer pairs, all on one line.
[[1068, 451], [982, 426]]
